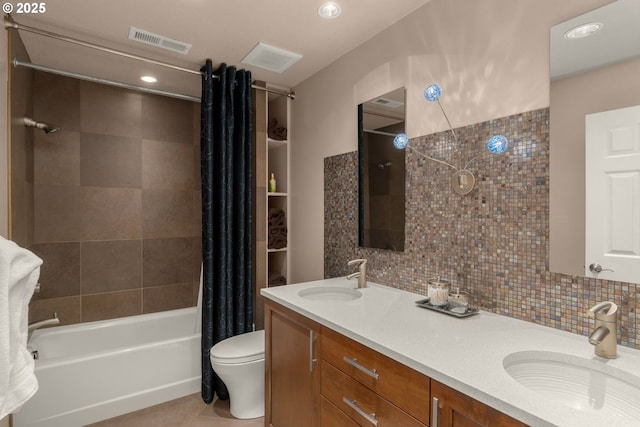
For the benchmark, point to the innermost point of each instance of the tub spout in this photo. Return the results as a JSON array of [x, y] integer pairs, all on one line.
[[42, 323]]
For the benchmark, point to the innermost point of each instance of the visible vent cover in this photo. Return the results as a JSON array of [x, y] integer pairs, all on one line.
[[271, 58], [389, 103], [146, 37]]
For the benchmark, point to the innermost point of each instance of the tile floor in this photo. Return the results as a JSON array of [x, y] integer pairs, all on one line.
[[189, 411]]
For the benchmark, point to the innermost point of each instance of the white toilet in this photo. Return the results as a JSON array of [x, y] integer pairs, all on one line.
[[239, 362]]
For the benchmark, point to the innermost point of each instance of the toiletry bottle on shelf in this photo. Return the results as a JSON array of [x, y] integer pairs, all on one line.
[[272, 183]]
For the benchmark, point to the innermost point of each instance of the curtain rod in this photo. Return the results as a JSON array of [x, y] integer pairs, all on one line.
[[379, 132], [386, 116], [9, 23], [290, 94], [17, 63]]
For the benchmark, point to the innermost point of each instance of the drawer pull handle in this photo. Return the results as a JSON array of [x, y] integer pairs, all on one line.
[[353, 404], [434, 412], [312, 347], [354, 362]]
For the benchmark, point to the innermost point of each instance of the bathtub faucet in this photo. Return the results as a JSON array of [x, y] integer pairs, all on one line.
[[41, 324]]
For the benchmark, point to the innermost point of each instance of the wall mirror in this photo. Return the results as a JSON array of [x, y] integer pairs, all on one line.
[[589, 76], [381, 172]]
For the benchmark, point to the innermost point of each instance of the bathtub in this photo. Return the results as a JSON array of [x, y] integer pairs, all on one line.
[[97, 370]]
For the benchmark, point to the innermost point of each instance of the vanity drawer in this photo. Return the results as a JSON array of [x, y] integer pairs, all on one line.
[[399, 384], [331, 416], [359, 402]]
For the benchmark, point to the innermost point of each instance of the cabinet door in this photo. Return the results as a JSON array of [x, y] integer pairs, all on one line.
[[292, 383], [456, 409]]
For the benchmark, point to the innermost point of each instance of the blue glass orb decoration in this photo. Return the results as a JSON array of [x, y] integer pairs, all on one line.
[[401, 141], [432, 92], [497, 144]]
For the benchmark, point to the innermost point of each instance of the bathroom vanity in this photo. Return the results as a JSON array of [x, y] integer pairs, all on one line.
[[337, 356], [319, 377]]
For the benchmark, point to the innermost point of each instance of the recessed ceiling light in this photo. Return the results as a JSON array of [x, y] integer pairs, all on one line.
[[583, 30], [148, 79], [329, 10]]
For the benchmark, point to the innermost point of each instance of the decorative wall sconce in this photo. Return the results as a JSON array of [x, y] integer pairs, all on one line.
[[463, 180]]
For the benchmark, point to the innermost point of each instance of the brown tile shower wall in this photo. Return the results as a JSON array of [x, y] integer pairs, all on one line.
[[116, 201], [21, 146], [493, 241]]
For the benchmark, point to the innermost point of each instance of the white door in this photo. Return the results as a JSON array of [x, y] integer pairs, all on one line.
[[612, 175]]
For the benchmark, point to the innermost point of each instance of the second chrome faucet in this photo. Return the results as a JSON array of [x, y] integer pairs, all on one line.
[[361, 274]]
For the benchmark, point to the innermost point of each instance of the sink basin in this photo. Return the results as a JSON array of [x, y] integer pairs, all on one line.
[[587, 385], [330, 293]]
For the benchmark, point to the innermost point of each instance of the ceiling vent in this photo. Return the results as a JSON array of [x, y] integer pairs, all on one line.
[[163, 42], [389, 103], [271, 58]]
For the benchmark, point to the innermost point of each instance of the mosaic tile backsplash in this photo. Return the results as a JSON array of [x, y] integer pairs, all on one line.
[[493, 242]]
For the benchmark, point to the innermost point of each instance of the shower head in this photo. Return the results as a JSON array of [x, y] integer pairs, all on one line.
[[46, 127]]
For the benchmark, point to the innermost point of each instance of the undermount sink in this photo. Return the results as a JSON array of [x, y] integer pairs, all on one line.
[[330, 293], [587, 385]]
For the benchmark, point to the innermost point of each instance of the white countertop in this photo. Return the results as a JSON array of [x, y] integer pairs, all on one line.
[[465, 353]]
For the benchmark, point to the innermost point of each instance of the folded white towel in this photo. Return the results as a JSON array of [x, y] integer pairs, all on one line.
[[19, 272]]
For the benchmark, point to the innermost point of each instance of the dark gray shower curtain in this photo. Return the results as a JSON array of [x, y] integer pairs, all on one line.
[[226, 154]]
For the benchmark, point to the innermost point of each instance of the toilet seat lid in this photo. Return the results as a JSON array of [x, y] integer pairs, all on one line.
[[241, 348]]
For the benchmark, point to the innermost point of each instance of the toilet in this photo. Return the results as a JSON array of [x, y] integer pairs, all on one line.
[[239, 362]]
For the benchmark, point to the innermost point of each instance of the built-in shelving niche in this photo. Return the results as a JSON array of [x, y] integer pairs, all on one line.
[[272, 156]]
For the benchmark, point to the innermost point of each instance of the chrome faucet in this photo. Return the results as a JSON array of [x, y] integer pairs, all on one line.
[[604, 334], [41, 324], [361, 274]]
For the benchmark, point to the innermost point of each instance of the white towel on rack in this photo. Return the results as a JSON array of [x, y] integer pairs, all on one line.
[[19, 272]]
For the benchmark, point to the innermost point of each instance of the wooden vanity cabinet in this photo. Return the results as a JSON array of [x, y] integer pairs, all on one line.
[[316, 377], [292, 371], [456, 409]]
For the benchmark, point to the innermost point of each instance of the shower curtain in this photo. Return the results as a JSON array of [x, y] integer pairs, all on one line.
[[226, 138]]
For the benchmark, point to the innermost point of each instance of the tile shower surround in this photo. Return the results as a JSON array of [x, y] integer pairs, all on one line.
[[116, 195], [493, 242]]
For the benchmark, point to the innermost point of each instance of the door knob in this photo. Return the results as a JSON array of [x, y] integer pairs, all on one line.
[[597, 268]]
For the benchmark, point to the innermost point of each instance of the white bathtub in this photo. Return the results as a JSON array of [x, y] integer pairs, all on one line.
[[98, 370]]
